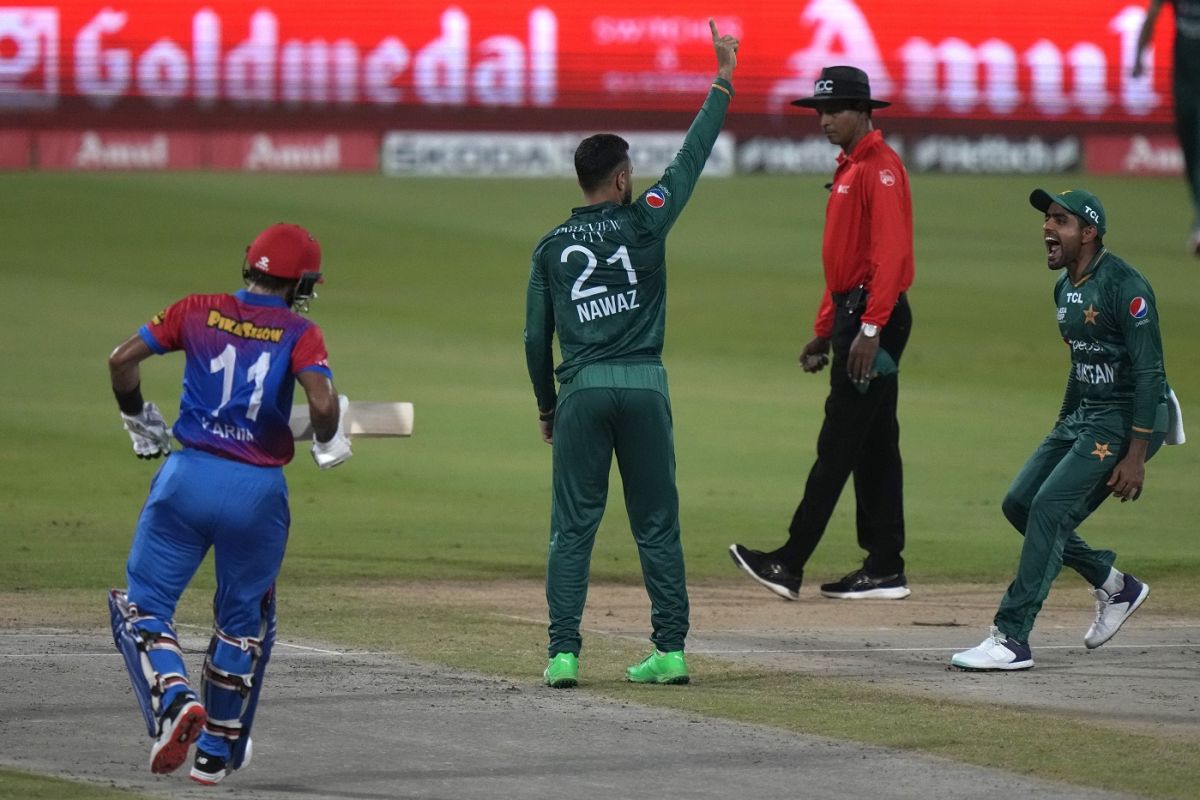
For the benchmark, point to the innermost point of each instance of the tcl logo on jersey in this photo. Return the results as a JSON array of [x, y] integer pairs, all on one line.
[[1138, 307], [655, 198]]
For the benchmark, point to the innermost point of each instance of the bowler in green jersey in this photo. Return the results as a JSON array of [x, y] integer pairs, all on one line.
[[599, 280], [1116, 412]]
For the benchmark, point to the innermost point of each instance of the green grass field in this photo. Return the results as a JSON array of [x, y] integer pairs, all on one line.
[[424, 301]]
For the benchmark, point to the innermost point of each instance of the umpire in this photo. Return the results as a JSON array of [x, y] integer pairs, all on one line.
[[864, 316]]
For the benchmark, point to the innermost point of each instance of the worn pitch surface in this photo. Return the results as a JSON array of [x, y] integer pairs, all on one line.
[[355, 724]]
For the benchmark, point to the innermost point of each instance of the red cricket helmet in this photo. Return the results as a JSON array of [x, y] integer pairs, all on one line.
[[285, 251]]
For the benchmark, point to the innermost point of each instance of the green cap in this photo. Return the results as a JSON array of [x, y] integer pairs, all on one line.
[[1079, 202]]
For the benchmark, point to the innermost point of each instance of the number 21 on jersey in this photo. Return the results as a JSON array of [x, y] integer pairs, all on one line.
[[577, 291]]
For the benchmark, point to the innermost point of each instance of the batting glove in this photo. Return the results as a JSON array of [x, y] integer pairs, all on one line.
[[149, 432], [337, 450]]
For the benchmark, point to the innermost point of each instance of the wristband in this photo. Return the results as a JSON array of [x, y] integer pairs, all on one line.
[[546, 416], [130, 402]]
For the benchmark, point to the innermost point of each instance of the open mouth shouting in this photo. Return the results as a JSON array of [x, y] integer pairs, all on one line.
[[1054, 251]]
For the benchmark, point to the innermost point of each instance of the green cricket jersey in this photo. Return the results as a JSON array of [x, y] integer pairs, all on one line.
[[1187, 21], [1110, 322], [1187, 42], [599, 279]]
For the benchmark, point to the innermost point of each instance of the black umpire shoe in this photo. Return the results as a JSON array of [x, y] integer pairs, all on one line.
[[858, 585], [767, 571]]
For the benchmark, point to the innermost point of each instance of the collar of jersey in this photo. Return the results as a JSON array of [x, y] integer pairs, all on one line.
[[595, 206], [251, 299], [1090, 269], [865, 144]]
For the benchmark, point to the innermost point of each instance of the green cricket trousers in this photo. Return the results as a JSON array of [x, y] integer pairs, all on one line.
[[1185, 88], [1059, 486], [621, 408]]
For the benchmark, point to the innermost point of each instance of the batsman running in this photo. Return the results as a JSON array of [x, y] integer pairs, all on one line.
[[599, 280], [1116, 412], [223, 490]]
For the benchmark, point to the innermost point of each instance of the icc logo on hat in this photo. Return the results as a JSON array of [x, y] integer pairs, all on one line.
[[841, 84]]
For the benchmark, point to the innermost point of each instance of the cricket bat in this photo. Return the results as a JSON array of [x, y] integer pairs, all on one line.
[[364, 420]]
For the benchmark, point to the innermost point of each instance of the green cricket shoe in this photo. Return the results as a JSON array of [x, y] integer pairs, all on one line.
[[563, 671], [660, 667]]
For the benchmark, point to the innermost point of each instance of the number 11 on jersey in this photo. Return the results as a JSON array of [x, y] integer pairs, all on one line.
[[226, 364]]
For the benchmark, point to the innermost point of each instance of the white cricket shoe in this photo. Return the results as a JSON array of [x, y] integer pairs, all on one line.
[[1113, 609], [997, 651]]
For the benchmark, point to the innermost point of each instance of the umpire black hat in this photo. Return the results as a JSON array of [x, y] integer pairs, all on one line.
[[841, 85]]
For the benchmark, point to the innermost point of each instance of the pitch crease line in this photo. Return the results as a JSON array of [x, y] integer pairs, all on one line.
[[801, 651]]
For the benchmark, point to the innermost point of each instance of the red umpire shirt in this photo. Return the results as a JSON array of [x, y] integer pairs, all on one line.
[[868, 231]]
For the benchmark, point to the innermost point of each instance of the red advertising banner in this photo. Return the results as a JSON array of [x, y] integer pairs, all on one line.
[[15, 149], [1013, 60], [294, 152], [1132, 155], [119, 150]]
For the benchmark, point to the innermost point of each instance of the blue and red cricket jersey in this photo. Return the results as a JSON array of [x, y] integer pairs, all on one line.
[[243, 354]]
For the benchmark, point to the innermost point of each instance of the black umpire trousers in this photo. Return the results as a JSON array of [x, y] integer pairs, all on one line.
[[860, 437]]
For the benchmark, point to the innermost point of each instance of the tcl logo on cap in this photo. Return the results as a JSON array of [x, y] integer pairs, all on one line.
[[1138, 307], [655, 198]]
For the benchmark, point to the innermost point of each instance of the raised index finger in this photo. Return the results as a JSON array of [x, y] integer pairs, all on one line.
[[712, 26]]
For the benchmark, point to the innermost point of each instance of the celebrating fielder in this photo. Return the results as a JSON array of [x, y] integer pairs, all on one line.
[[1115, 414], [599, 279], [225, 490]]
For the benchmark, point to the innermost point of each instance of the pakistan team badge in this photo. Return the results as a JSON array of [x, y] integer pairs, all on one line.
[[1089, 315], [1102, 451]]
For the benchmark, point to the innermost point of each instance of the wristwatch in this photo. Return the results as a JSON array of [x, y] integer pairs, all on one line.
[[870, 330]]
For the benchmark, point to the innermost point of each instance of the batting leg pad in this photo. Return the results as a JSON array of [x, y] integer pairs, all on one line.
[[150, 648], [232, 681]]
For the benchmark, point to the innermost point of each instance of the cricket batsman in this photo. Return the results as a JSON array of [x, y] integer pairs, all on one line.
[[224, 490], [599, 280]]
